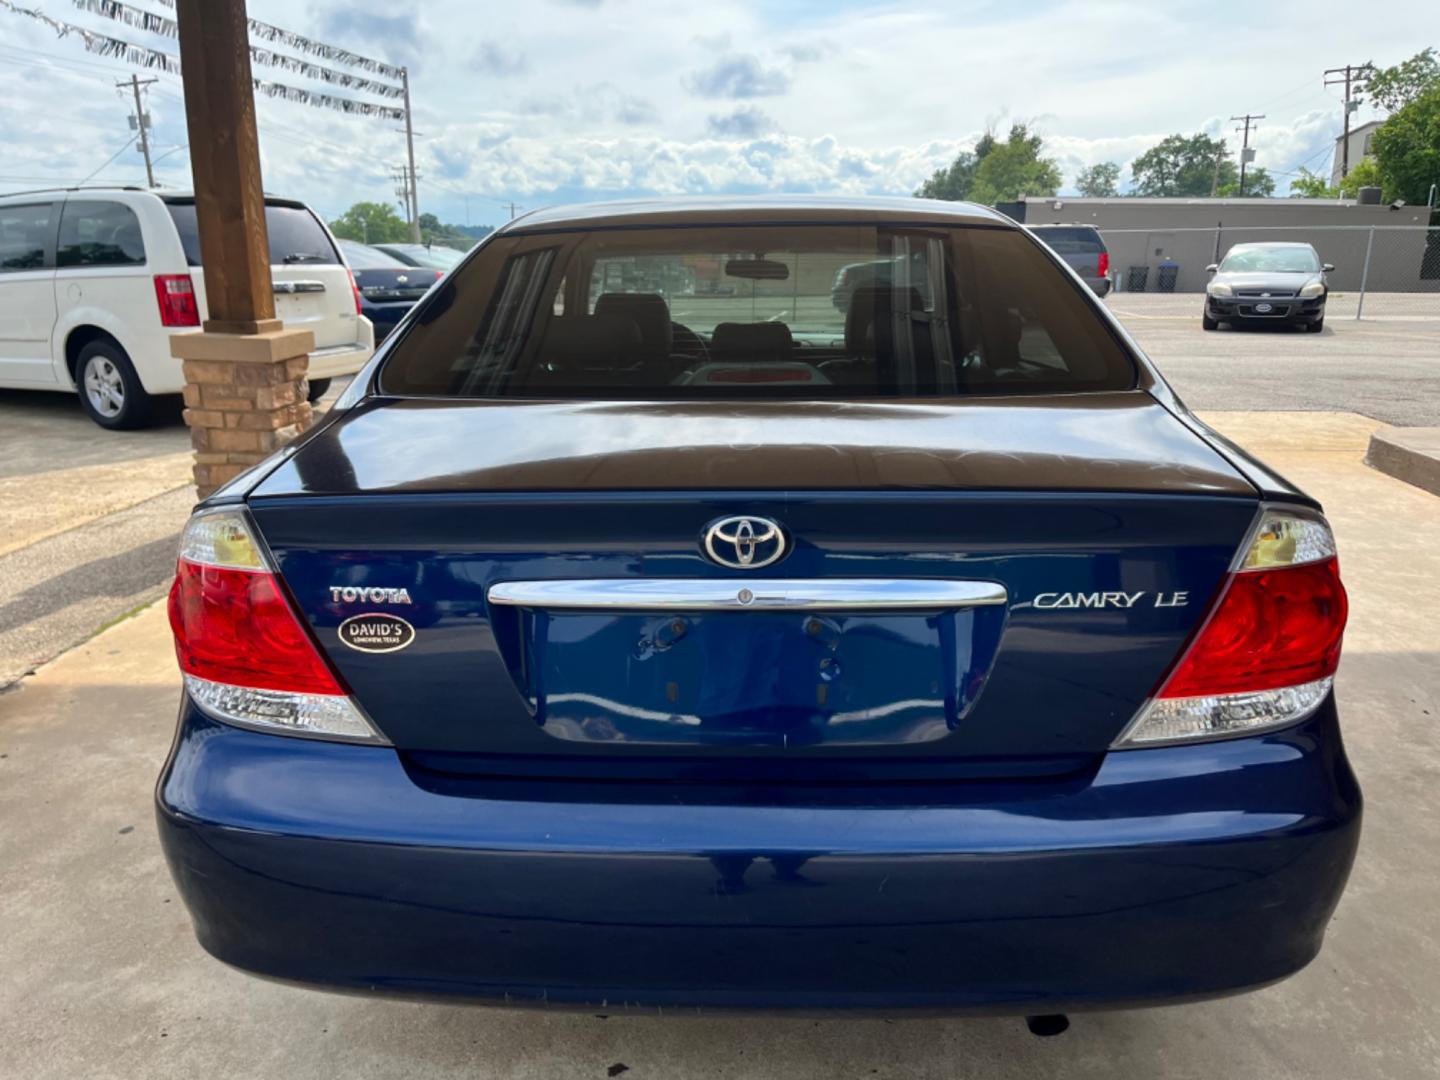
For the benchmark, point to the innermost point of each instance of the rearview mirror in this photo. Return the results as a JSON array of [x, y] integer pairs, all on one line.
[[1327, 267], [757, 269], [1212, 268]]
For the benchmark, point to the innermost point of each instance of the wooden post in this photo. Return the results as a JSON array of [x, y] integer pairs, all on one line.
[[245, 385]]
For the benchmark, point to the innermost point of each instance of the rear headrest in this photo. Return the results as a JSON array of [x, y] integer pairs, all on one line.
[[763, 341], [868, 305], [585, 343], [649, 313], [128, 239]]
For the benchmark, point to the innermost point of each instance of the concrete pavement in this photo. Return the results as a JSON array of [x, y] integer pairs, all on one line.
[[102, 978]]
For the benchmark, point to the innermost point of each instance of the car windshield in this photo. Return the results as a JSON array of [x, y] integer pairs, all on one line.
[[1271, 260], [756, 311]]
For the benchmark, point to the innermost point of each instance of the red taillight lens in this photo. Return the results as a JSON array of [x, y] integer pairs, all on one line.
[[175, 293], [1271, 628], [355, 290], [235, 627], [439, 274], [1102, 264]]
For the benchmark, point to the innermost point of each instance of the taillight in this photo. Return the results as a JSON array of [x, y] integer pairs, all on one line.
[[175, 293], [1102, 264], [354, 290], [1266, 655], [247, 658]]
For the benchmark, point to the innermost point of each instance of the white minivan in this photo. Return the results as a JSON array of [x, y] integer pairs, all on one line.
[[94, 281]]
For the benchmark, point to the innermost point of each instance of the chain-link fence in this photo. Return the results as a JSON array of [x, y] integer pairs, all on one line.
[[1380, 270]]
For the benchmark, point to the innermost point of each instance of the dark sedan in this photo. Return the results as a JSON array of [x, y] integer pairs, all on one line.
[[714, 648], [388, 288], [1267, 283]]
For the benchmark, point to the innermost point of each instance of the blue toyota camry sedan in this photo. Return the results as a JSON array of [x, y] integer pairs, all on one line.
[[642, 630]]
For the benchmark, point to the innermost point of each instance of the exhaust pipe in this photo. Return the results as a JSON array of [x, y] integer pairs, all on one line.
[[1048, 1025]]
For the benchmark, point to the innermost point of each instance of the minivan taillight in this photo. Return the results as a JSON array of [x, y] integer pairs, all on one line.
[[1266, 654], [246, 657], [354, 290], [1102, 264], [175, 293]]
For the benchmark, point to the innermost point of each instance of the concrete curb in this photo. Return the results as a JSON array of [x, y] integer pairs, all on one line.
[[1408, 454]]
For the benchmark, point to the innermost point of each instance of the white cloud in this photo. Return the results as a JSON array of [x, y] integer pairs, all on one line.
[[557, 100]]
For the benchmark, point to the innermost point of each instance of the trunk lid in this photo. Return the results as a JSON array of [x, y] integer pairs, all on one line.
[[1102, 524]]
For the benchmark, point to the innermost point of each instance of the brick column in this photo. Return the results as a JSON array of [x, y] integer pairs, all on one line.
[[245, 397]]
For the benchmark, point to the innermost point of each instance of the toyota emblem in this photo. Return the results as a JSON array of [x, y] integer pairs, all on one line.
[[744, 543]]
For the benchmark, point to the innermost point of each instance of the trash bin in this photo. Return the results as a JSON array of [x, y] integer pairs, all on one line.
[[1135, 278], [1169, 270]]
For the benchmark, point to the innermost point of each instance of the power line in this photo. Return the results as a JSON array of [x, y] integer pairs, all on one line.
[[1350, 73], [109, 161]]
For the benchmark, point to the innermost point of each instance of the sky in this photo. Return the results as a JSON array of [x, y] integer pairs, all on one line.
[[538, 102]]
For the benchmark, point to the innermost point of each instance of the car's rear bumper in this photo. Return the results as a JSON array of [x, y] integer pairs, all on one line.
[[1168, 874]]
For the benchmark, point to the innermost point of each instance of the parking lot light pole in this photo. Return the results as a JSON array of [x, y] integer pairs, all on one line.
[[1365, 273], [245, 374]]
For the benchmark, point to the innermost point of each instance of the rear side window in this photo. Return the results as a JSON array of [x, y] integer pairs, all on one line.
[[1064, 241], [296, 236], [24, 235], [99, 233], [815, 311]]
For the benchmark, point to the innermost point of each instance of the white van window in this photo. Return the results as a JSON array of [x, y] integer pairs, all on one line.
[[94, 233], [296, 235], [24, 235]]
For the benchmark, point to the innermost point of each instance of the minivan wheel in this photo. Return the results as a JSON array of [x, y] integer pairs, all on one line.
[[1207, 323], [1316, 326], [318, 389], [110, 391]]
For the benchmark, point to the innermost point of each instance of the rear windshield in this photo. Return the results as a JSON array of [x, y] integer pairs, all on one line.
[[816, 311], [296, 236], [1066, 241]]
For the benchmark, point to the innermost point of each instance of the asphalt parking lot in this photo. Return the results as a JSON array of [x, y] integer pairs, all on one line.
[[1386, 367]]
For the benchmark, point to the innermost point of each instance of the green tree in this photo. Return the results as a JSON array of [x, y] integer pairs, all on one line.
[[955, 181], [1259, 184], [1364, 173], [1395, 87], [371, 223], [1100, 181], [1184, 165], [1015, 168], [1309, 185], [434, 231], [1407, 149]]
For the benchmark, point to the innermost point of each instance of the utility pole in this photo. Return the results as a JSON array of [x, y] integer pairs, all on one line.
[[142, 122], [513, 208], [414, 204], [1246, 154], [404, 195], [1350, 73]]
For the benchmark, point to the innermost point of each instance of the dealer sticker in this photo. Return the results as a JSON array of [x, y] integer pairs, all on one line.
[[376, 632]]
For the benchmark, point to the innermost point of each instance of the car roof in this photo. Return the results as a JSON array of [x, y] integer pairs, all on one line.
[[1273, 244], [753, 210]]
